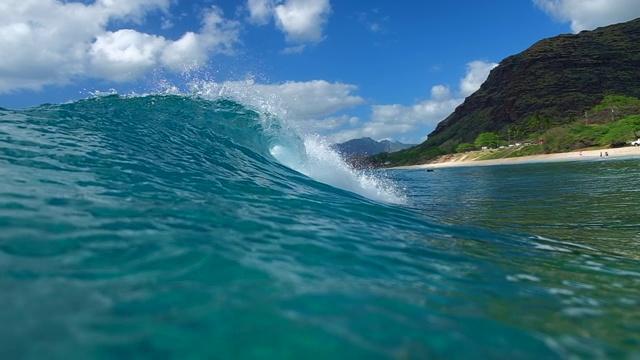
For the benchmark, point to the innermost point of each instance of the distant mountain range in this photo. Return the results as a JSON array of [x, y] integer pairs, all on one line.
[[368, 146]]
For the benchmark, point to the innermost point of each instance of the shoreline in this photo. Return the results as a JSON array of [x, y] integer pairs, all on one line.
[[458, 161]]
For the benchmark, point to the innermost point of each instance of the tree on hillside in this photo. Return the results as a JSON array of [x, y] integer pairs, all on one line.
[[623, 131], [558, 139], [514, 133], [616, 136], [464, 147], [488, 139], [537, 123]]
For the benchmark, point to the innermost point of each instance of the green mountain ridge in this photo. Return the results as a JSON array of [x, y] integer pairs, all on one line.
[[367, 146], [554, 82]]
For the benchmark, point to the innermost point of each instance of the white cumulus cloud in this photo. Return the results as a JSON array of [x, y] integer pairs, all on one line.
[[298, 100], [260, 11], [412, 123], [192, 50], [589, 14], [301, 21], [125, 54], [47, 42], [477, 72], [318, 97]]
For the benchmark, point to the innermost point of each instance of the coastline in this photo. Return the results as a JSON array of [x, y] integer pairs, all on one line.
[[456, 161]]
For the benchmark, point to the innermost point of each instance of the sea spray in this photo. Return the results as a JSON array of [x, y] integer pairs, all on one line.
[[320, 162], [294, 146]]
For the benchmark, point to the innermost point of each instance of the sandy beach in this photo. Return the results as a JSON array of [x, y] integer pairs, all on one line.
[[452, 161]]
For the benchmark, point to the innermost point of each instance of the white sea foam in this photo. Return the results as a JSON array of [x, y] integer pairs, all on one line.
[[521, 277], [298, 149], [323, 164]]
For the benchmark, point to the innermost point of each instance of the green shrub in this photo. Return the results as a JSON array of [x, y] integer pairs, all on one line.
[[464, 147], [488, 139]]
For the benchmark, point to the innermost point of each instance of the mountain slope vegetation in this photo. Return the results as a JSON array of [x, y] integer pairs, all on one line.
[[557, 81]]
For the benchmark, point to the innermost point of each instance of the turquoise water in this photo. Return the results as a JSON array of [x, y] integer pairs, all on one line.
[[167, 227]]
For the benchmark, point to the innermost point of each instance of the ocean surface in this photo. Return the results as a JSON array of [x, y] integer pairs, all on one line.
[[173, 227]]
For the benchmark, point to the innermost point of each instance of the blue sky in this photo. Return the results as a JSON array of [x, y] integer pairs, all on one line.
[[343, 69]]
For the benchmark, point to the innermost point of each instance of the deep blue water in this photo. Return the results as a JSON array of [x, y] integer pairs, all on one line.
[[167, 227]]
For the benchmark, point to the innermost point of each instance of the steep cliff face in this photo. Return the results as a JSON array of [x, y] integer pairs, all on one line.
[[557, 78]]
